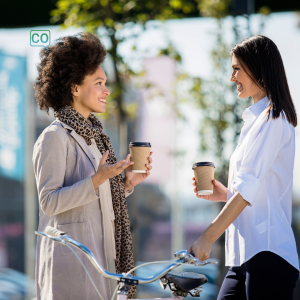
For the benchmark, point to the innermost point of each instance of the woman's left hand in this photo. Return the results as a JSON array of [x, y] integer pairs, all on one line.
[[132, 179], [201, 248]]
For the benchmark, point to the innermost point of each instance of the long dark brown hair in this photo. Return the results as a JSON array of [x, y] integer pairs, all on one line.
[[260, 58]]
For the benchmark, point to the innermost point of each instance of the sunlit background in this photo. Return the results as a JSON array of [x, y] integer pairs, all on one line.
[[168, 69]]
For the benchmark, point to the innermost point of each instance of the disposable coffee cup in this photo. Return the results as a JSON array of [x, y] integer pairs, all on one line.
[[139, 153], [204, 175]]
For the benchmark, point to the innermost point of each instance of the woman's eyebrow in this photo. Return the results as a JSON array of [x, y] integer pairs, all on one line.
[[236, 65], [99, 78]]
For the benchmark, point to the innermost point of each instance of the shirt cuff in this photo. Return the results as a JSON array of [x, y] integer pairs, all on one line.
[[247, 186], [129, 192]]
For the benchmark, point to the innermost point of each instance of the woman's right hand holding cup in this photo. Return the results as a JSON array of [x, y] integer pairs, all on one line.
[[219, 192], [106, 171]]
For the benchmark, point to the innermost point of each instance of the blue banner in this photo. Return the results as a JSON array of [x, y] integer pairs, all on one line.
[[13, 94]]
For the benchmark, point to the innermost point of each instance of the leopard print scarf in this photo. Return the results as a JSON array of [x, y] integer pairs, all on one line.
[[124, 253]]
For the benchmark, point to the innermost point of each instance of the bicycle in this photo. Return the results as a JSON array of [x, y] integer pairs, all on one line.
[[181, 284]]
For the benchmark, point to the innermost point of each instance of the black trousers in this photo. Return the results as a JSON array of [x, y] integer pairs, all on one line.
[[266, 276]]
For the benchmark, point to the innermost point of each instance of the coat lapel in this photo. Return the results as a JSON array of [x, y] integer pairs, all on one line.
[[82, 143]]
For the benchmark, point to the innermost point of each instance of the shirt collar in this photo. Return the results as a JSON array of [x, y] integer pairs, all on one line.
[[256, 109]]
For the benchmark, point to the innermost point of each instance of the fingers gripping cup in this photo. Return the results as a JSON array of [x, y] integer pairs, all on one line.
[[139, 153], [204, 175]]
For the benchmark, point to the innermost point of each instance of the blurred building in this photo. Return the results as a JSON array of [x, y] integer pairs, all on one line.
[[13, 98]]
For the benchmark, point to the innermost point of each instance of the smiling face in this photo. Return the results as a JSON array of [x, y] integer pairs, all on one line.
[[91, 95], [245, 85]]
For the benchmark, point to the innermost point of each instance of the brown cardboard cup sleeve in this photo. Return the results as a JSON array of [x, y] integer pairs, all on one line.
[[204, 175], [139, 153]]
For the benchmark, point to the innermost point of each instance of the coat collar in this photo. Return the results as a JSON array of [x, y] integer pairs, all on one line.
[[82, 143]]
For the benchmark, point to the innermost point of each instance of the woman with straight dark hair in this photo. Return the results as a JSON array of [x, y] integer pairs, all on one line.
[[260, 246]]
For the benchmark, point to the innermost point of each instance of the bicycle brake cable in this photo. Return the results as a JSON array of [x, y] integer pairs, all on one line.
[[139, 266], [85, 271]]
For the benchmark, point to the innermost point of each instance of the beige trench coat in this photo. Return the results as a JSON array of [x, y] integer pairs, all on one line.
[[63, 166]]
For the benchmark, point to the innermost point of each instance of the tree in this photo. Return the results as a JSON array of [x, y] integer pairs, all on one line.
[[121, 20]]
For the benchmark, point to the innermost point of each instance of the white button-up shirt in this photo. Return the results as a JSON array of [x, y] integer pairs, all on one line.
[[261, 170]]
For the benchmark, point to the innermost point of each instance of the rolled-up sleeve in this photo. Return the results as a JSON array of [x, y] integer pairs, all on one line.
[[49, 161], [263, 147]]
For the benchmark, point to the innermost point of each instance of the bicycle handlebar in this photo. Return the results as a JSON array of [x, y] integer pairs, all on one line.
[[183, 258], [54, 232]]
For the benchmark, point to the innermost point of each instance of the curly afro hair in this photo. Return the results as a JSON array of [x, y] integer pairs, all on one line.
[[64, 64]]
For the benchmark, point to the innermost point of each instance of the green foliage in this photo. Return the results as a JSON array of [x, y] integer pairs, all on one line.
[[216, 9], [113, 16], [171, 52], [92, 14], [265, 10]]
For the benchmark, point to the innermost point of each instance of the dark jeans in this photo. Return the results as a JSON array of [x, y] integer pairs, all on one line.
[[266, 276]]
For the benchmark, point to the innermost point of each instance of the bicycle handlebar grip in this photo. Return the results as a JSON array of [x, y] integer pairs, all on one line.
[[54, 232]]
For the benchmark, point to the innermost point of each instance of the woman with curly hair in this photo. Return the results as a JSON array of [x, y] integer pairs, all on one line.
[[80, 187]]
